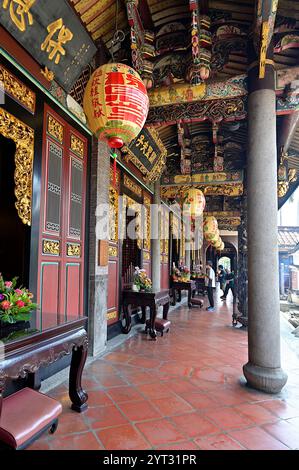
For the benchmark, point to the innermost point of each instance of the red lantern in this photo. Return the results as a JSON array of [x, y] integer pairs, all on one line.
[[116, 104]]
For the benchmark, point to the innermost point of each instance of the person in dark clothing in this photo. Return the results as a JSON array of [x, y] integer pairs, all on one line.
[[221, 277], [230, 284], [210, 285]]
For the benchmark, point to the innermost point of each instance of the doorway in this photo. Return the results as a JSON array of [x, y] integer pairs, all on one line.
[[14, 235]]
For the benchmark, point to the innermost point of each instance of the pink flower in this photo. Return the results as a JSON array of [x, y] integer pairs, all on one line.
[[5, 304], [8, 284], [19, 291], [20, 303]]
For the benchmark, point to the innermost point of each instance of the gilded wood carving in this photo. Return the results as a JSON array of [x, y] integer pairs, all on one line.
[[23, 136]]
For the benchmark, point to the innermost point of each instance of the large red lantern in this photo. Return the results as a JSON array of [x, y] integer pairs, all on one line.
[[116, 104]]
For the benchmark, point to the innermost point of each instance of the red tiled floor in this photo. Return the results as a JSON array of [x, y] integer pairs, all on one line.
[[160, 431], [181, 392], [139, 410], [82, 441], [218, 442], [284, 432], [122, 437], [172, 406], [104, 416], [195, 425], [257, 439], [228, 418]]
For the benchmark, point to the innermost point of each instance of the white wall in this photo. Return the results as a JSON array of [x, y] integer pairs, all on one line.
[[288, 215]]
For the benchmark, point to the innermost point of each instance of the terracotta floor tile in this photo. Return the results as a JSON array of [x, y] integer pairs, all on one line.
[[228, 418], [122, 437], [210, 375], [257, 413], [71, 423], [112, 381], [186, 445], [195, 425], [257, 439], [160, 431], [122, 394], [139, 410], [182, 386], [218, 442], [104, 416], [200, 401], [82, 441], [172, 406], [98, 398], [40, 444], [139, 378], [281, 409], [284, 432], [155, 390], [294, 422]]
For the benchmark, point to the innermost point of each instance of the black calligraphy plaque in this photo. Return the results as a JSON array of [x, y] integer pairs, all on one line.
[[52, 33]]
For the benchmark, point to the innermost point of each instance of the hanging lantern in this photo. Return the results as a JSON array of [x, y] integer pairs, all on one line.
[[210, 229], [221, 248], [217, 244], [194, 203], [116, 104]]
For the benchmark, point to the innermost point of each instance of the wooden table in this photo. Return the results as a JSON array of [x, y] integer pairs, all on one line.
[[153, 300], [34, 349], [189, 286]]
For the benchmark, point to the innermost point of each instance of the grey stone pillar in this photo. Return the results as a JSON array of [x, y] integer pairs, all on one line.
[[263, 370], [98, 275], [156, 234], [242, 281]]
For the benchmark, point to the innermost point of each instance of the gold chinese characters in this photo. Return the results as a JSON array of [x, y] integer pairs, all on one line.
[[19, 11], [54, 47]]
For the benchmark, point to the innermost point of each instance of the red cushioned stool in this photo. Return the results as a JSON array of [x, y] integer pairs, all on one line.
[[25, 415], [161, 325]]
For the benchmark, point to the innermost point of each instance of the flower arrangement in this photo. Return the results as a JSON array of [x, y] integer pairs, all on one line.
[[185, 273], [15, 303], [176, 273], [141, 281]]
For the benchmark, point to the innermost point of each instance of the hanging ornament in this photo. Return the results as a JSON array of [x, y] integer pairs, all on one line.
[[116, 105], [194, 203], [210, 229]]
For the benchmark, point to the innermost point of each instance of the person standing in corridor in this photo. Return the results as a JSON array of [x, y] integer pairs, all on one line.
[[210, 284]]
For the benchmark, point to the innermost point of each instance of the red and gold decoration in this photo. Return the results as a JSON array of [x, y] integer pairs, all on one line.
[[116, 104], [201, 45]]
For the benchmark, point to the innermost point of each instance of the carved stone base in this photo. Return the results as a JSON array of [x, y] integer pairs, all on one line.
[[266, 379]]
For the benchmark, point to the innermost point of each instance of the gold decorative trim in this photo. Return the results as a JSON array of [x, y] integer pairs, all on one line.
[[116, 176], [130, 184], [111, 315], [146, 256], [51, 247], [77, 145], [147, 200], [17, 90], [113, 251], [130, 157], [113, 214], [54, 128], [73, 250], [48, 74], [23, 136]]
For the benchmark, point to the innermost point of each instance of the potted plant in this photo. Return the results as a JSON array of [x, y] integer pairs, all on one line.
[[15, 304], [141, 281]]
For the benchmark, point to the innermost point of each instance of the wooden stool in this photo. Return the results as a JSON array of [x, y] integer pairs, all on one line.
[[25, 416], [161, 325]]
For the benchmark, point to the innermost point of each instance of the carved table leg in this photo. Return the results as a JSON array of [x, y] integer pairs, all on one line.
[[173, 296], [77, 395], [180, 295], [143, 318], [127, 314], [152, 332], [2, 388], [165, 310], [189, 297]]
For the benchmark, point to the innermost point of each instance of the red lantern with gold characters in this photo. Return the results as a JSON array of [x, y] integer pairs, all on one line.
[[116, 104]]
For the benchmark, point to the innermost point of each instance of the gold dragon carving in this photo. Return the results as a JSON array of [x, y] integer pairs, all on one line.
[[23, 136]]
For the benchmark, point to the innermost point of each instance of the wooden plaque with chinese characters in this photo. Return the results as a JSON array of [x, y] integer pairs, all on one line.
[[51, 32]]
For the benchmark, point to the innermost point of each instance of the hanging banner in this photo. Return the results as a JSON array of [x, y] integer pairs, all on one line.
[[52, 33]]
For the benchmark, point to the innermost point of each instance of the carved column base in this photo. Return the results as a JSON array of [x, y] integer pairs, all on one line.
[[266, 379]]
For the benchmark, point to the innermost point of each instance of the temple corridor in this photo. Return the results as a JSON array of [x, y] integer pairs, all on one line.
[[183, 391]]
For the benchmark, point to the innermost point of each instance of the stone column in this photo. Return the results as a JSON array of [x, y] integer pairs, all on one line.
[[242, 281], [263, 370], [156, 235], [98, 275]]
